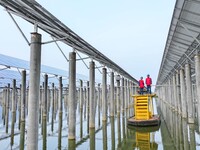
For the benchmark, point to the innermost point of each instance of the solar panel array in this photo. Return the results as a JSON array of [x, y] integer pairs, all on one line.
[[22, 64], [183, 40], [33, 12], [11, 67]]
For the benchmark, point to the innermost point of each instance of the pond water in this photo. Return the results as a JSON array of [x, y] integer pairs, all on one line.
[[173, 134]]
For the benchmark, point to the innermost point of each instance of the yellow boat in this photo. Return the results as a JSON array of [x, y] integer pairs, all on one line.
[[143, 111]]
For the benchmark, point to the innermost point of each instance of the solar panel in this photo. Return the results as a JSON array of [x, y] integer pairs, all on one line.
[[182, 41], [13, 62], [34, 12], [7, 75]]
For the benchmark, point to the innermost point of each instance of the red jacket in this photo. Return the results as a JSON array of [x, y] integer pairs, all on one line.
[[141, 83], [148, 81]]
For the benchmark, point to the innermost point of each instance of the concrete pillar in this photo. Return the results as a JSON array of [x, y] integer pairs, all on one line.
[[60, 96], [118, 94], [174, 92], [197, 72], [14, 100], [85, 101], [81, 109], [171, 93], [183, 95], [23, 95], [104, 94], [60, 111], [40, 105], [189, 94], [92, 95], [81, 123], [123, 125], [53, 107], [88, 106], [13, 112], [125, 93], [55, 102], [128, 95], [122, 95], [163, 97], [112, 101], [18, 106], [178, 100], [48, 102], [23, 100], [4, 106], [34, 86], [99, 104], [45, 95], [66, 100], [44, 112], [133, 89], [7, 106], [81, 95], [72, 96]]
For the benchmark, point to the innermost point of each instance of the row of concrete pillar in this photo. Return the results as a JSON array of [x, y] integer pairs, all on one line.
[[181, 135], [181, 94], [34, 85], [123, 95], [91, 98], [48, 99]]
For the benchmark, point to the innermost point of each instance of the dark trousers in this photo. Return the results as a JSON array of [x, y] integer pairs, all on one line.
[[141, 90], [148, 89]]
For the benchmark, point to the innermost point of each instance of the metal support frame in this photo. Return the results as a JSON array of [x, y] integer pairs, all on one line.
[[19, 28], [54, 40], [34, 13], [187, 30]]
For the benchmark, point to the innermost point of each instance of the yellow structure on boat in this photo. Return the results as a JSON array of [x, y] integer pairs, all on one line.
[[143, 106], [144, 113]]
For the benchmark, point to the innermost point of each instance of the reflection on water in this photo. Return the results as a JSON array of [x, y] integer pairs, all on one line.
[[112, 121], [92, 138], [60, 132], [12, 129], [71, 144], [177, 133], [22, 134], [173, 133], [119, 131], [145, 137], [44, 132], [104, 135]]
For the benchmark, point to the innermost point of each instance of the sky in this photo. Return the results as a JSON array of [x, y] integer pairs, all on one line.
[[131, 33]]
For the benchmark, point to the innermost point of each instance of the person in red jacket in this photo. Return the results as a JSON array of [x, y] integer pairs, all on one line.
[[148, 83], [141, 85]]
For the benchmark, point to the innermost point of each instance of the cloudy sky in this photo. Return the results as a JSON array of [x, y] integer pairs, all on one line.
[[131, 33]]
